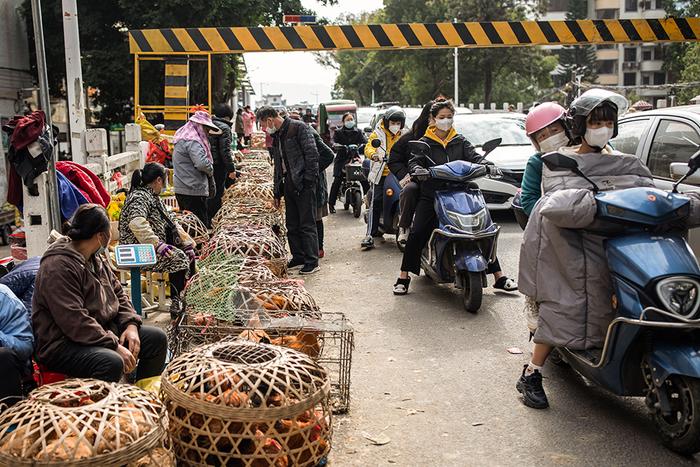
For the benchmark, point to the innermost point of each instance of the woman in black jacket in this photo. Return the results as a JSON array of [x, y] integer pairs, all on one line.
[[399, 157], [346, 135], [446, 145], [224, 167]]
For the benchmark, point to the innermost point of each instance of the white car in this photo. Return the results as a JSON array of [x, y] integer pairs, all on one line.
[[511, 156]]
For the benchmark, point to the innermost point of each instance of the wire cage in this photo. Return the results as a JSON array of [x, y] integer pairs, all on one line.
[[247, 404], [326, 337], [252, 213], [86, 422], [253, 241], [249, 190], [194, 227]]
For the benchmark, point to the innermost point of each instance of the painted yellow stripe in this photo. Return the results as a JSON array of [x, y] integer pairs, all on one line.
[[338, 37], [157, 41], [478, 34], [185, 39], [506, 33], [695, 26], [366, 36], [672, 30], [176, 69], [644, 30], [423, 35], [214, 39], [246, 39], [176, 91], [535, 32], [448, 30], [394, 35], [563, 32], [617, 32], [278, 40], [308, 37], [590, 31]]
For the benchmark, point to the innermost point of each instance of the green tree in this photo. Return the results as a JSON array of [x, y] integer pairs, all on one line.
[[578, 57], [678, 57], [690, 73], [107, 63]]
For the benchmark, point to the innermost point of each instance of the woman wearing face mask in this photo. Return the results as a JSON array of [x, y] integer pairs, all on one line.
[[388, 131], [446, 145], [84, 324], [563, 266], [346, 135], [546, 127], [145, 219]]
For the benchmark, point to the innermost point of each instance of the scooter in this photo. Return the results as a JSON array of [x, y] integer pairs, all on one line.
[[389, 219], [352, 191], [516, 205], [465, 241], [651, 346]]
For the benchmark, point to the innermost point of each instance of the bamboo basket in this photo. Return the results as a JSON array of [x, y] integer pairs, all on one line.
[[86, 422], [249, 190], [251, 241], [247, 404], [194, 227]]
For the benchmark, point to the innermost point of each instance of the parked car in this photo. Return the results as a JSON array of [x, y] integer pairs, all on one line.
[[664, 139], [364, 116], [511, 156]]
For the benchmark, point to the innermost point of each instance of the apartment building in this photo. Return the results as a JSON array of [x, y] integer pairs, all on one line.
[[625, 64]]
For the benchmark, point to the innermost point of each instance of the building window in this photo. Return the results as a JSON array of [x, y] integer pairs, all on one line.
[[631, 5], [660, 78], [647, 54], [646, 79], [630, 54], [607, 13], [558, 5], [607, 67], [659, 52], [630, 79]]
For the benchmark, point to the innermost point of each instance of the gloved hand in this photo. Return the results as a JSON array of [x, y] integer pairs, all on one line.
[[420, 174], [164, 250], [189, 251], [376, 158], [494, 171]]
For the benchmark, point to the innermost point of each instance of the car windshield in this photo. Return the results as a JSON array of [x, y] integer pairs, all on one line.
[[480, 128], [365, 115]]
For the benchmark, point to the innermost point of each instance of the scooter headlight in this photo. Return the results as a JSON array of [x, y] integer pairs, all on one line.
[[679, 295], [468, 222]]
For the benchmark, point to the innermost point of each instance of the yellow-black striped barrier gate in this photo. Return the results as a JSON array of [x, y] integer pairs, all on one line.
[[184, 42]]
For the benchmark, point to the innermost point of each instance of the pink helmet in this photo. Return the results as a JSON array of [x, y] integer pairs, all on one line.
[[542, 116]]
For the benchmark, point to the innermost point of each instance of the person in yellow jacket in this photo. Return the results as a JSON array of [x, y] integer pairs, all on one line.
[[388, 131]]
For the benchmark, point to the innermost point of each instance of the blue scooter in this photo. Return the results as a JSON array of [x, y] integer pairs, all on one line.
[[389, 219], [464, 243], [652, 345]]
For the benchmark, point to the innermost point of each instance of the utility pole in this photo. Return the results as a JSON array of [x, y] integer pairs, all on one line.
[[74, 77], [45, 102]]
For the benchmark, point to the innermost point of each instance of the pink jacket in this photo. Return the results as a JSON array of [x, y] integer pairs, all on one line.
[[248, 123]]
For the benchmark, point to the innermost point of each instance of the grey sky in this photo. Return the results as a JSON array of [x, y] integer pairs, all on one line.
[[296, 74]]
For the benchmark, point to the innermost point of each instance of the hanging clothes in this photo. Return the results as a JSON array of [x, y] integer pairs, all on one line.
[[86, 181]]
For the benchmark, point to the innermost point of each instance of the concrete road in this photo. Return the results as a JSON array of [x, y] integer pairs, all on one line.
[[439, 384]]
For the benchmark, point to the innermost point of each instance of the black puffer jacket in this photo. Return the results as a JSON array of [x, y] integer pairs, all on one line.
[[221, 145], [456, 148], [346, 138], [400, 156], [294, 144]]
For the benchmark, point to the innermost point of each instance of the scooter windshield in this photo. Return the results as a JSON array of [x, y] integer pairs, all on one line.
[[458, 171]]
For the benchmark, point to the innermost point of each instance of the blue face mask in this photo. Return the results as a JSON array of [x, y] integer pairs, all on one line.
[[101, 249], [350, 124]]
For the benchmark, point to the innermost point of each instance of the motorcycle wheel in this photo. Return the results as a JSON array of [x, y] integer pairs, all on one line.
[[346, 202], [472, 291], [356, 205], [680, 431]]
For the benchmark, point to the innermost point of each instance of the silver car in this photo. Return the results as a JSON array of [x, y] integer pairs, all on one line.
[[664, 139]]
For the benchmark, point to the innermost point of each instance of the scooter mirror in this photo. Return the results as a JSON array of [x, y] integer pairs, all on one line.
[[559, 161], [376, 143], [694, 162], [490, 145], [419, 148], [368, 130]]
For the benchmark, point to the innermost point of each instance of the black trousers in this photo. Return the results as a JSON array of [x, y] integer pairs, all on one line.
[[12, 371], [377, 207], [178, 279], [83, 361], [424, 222], [408, 200], [335, 190], [214, 204], [300, 210], [197, 205], [320, 233]]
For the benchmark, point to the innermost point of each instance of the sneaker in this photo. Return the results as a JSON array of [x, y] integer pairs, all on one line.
[[367, 243], [321, 253], [531, 388], [403, 236], [310, 269], [175, 307], [294, 264]]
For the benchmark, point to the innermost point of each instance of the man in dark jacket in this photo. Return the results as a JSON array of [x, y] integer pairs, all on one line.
[[221, 152], [296, 178]]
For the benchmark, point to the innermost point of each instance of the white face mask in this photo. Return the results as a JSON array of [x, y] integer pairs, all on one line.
[[444, 124], [394, 129], [553, 143], [598, 137], [270, 130], [350, 124]]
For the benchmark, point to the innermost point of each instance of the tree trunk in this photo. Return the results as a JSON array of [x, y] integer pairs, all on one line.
[[488, 81]]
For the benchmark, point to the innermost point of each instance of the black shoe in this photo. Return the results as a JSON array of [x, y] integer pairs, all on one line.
[[295, 264], [531, 389], [331, 209], [310, 269], [367, 243]]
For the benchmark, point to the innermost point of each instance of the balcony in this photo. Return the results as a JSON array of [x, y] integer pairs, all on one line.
[[607, 4], [607, 54], [652, 65], [608, 79]]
